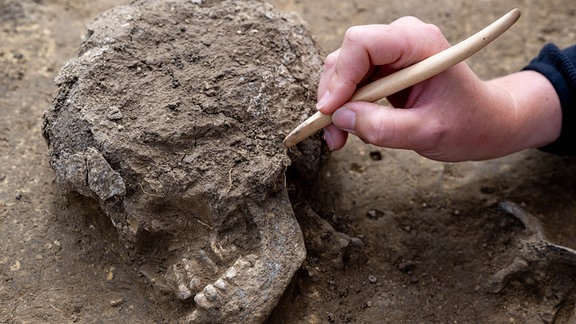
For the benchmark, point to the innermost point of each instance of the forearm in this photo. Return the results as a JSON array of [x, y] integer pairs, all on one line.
[[535, 116]]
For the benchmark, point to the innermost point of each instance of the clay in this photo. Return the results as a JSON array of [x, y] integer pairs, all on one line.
[[172, 117]]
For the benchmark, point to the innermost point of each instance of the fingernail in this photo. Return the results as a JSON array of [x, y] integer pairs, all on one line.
[[344, 119], [323, 100], [329, 141]]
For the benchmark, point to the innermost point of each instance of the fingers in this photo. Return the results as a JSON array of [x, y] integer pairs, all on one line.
[[395, 46], [327, 72]]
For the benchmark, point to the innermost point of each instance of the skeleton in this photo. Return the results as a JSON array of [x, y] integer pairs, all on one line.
[[172, 117], [533, 249]]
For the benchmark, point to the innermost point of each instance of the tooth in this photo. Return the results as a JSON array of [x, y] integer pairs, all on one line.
[[183, 292], [210, 292], [194, 284], [201, 301], [220, 284], [217, 249], [230, 273], [209, 262]]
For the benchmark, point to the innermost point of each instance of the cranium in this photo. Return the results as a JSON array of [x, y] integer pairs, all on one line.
[[172, 117]]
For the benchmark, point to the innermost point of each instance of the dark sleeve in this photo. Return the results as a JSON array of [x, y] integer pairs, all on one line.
[[559, 66]]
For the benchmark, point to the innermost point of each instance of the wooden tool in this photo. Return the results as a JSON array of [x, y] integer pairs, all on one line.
[[411, 75]]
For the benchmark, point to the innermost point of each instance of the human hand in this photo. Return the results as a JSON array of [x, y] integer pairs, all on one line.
[[453, 116]]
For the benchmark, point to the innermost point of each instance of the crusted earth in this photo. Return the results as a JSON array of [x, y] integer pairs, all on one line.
[[172, 117]]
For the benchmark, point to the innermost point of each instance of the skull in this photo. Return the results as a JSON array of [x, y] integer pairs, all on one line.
[[172, 117]]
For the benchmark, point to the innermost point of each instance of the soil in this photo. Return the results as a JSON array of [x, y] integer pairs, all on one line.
[[427, 236]]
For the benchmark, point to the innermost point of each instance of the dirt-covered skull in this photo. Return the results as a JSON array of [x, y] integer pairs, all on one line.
[[172, 117]]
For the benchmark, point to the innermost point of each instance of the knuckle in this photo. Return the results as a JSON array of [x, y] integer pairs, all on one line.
[[330, 60], [378, 130], [434, 32], [354, 34], [409, 20], [434, 36], [382, 131]]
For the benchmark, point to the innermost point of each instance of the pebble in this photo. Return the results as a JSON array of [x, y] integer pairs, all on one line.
[[114, 113], [110, 275], [372, 279], [376, 155], [116, 302], [374, 213], [331, 317], [15, 266], [407, 266]]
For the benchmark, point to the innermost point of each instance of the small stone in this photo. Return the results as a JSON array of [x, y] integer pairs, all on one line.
[[374, 213], [331, 317], [114, 113], [188, 158], [15, 266], [110, 275], [376, 155], [372, 279], [407, 266], [116, 302]]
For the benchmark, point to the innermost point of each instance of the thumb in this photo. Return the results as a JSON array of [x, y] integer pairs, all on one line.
[[384, 126]]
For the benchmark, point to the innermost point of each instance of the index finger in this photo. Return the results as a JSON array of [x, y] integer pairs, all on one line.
[[404, 42]]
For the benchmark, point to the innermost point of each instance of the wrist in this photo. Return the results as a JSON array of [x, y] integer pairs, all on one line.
[[536, 115]]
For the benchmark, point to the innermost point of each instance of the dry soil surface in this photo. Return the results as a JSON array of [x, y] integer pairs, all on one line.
[[432, 234]]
